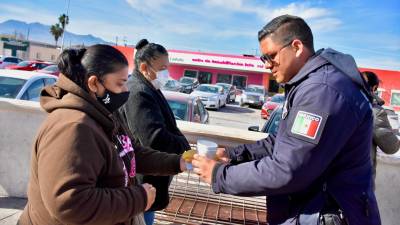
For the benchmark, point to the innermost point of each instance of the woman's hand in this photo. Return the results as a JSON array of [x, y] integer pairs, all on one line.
[[150, 194], [182, 165], [222, 156]]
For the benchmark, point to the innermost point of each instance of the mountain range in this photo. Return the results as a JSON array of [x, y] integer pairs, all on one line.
[[41, 32]]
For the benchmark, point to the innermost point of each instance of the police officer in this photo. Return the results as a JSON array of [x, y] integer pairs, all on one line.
[[317, 169]]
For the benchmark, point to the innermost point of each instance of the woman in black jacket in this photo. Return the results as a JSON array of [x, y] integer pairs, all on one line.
[[149, 116], [384, 136]]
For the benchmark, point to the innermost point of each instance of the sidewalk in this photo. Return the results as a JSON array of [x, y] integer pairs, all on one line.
[[11, 209]]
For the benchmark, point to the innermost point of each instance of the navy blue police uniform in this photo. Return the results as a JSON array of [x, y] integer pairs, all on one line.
[[320, 157]]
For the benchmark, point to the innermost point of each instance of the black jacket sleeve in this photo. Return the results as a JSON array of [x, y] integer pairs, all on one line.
[[250, 152], [145, 118]]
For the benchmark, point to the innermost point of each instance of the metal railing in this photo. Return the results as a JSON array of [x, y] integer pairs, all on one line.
[[193, 202]]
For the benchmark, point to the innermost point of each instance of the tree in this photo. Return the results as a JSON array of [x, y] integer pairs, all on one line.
[[56, 30], [64, 20]]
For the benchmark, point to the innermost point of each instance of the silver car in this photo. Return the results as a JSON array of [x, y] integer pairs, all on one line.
[[173, 85], [186, 107], [253, 95], [24, 85], [212, 96]]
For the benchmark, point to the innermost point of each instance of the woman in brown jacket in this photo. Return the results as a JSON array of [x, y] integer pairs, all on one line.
[[84, 161]]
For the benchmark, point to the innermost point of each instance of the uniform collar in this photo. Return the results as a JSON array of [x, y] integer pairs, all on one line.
[[313, 63]]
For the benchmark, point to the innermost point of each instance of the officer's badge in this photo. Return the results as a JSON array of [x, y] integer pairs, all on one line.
[[306, 124]]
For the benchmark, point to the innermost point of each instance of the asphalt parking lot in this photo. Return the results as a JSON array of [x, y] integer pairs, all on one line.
[[232, 115]]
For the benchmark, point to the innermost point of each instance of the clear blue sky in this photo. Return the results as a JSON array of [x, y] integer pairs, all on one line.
[[368, 30]]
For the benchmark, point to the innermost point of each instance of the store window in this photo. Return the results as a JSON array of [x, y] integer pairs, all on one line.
[[205, 77], [190, 73], [395, 98], [239, 81], [224, 78]]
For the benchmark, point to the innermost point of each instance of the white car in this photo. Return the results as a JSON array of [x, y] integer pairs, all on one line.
[[212, 96], [8, 60], [24, 85]]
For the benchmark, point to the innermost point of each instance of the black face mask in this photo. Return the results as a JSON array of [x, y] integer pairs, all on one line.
[[113, 101]]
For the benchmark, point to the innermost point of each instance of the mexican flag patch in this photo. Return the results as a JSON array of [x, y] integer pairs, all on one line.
[[306, 124]]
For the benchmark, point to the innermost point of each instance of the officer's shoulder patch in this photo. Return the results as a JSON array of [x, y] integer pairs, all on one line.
[[308, 126]]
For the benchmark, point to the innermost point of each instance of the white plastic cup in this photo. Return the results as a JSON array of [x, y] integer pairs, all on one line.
[[207, 148], [189, 166]]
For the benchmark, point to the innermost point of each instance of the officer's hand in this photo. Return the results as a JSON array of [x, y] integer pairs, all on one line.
[[222, 155], [203, 166], [150, 193]]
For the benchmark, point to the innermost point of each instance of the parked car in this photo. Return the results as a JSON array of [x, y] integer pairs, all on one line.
[[29, 65], [272, 124], [52, 69], [271, 104], [253, 95], [187, 107], [173, 85], [212, 96], [8, 61], [230, 91], [24, 85], [188, 84]]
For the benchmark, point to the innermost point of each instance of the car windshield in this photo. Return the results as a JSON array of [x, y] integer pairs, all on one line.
[[186, 80], [10, 87], [23, 63], [274, 122], [254, 89], [179, 109], [52, 68], [278, 98], [225, 86], [170, 84], [210, 89]]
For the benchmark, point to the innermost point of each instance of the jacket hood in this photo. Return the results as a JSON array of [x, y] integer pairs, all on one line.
[[65, 94], [343, 62]]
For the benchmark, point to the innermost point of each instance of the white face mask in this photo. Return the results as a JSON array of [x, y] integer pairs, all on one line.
[[162, 77]]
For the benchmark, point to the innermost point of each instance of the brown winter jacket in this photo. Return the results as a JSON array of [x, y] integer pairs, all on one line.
[[76, 174]]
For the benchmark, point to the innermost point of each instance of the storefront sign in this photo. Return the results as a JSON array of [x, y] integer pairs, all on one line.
[[14, 44], [225, 62]]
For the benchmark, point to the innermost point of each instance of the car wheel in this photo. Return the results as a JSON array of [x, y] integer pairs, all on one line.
[[241, 103]]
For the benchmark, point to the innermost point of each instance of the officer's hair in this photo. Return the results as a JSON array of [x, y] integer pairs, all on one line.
[[286, 28]]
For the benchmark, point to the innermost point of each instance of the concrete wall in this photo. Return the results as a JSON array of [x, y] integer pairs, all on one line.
[[42, 52], [388, 189], [20, 121]]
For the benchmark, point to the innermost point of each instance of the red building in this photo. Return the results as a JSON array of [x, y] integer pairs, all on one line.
[[389, 88], [244, 70]]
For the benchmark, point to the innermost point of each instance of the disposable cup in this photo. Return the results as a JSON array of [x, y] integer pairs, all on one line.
[[207, 148]]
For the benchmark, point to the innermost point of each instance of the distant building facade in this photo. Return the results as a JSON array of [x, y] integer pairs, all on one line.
[[28, 50]]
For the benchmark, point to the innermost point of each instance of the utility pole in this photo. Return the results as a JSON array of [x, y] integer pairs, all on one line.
[[125, 41], [27, 35], [62, 39], [116, 40]]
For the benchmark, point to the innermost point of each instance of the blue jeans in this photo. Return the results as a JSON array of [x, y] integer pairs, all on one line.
[[149, 217]]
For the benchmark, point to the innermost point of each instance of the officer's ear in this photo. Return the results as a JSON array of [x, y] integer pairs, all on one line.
[[298, 47]]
